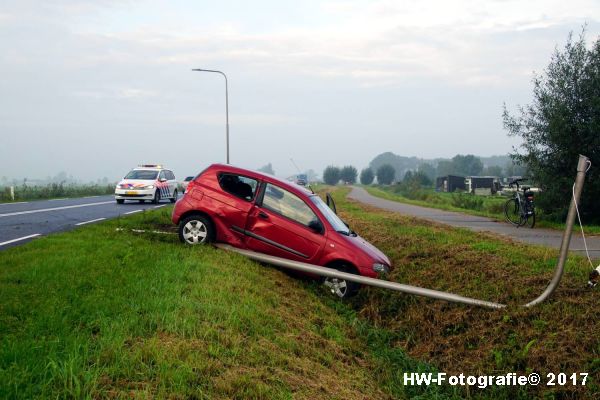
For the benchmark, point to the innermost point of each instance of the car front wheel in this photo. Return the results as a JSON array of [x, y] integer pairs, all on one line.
[[156, 199], [174, 198], [341, 287], [196, 229]]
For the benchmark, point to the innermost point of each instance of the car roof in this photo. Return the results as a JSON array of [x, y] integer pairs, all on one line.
[[290, 186]]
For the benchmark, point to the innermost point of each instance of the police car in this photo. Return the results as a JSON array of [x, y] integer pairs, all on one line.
[[147, 182]]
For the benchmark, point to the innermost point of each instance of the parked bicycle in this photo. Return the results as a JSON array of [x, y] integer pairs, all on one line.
[[520, 210]]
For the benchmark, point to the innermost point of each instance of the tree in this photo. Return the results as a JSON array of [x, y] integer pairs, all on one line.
[[468, 165], [267, 169], [428, 170], [562, 121], [493, 170], [331, 175], [367, 176], [385, 174], [348, 174]]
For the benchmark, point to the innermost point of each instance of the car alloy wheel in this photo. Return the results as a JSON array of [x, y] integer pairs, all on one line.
[[196, 230], [341, 287]]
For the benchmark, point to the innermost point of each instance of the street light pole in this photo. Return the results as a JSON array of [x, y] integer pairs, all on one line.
[[226, 105]]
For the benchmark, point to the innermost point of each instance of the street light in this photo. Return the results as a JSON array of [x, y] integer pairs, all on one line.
[[226, 106]]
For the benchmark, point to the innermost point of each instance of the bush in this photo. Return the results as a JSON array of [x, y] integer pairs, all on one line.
[[467, 201]]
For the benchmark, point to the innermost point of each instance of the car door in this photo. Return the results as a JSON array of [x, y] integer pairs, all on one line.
[[278, 225], [172, 182], [231, 202], [163, 185]]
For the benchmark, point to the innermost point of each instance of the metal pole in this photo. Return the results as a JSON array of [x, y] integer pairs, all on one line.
[[566, 239], [334, 273], [226, 105]]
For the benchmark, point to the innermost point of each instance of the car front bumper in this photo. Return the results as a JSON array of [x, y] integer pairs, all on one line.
[[124, 194]]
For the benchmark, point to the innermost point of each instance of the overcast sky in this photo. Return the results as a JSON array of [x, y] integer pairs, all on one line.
[[95, 87]]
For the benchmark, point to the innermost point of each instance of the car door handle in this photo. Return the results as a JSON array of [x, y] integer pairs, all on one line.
[[263, 215]]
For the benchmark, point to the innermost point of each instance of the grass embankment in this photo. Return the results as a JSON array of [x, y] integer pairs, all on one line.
[[101, 312], [559, 335], [53, 190], [485, 206]]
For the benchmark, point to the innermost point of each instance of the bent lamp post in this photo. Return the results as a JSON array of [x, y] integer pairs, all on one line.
[[226, 105], [434, 294]]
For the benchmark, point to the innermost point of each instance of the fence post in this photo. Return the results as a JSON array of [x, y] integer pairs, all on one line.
[[12, 193]]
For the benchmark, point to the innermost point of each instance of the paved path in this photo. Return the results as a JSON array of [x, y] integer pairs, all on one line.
[[546, 237], [25, 221]]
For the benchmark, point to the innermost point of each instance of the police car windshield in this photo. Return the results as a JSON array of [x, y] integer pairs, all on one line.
[[142, 174]]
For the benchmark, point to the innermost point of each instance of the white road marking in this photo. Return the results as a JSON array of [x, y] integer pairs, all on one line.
[[62, 198], [134, 211], [18, 239], [89, 197], [89, 222], [16, 202], [55, 208], [163, 205]]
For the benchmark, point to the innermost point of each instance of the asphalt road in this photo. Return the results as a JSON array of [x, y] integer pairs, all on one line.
[[23, 222], [545, 237]]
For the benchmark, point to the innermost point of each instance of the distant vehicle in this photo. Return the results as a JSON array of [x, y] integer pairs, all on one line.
[[147, 182], [302, 179], [259, 212], [185, 182]]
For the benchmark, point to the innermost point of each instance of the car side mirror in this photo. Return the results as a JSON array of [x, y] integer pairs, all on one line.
[[316, 226]]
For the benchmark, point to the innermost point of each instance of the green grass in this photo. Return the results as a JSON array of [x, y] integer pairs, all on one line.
[[106, 312], [559, 334], [485, 206]]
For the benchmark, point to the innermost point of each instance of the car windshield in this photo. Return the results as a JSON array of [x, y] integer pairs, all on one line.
[[189, 178], [333, 219], [145, 174]]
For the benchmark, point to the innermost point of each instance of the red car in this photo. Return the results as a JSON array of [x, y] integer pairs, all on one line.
[[259, 212]]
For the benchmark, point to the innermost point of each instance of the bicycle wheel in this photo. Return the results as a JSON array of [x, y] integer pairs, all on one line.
[[530, 220], [512, 212]]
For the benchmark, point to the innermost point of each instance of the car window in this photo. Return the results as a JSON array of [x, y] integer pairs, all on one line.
[[170, 175], [287, 204], [239, 186], [161, 175], [141, 174]]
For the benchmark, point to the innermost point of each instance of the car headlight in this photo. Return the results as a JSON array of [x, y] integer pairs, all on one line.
[[148, 187], [379, 267]]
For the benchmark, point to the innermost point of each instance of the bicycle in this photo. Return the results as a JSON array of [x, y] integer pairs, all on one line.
[[520, 210]]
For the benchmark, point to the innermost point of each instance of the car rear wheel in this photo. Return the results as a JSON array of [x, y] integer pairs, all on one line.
[[196, 229], [341, 287], [174, 198], [156, 199]]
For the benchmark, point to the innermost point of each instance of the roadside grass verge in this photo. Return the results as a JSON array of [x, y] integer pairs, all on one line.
[[54, 190], [485, 206], [104, 312], [559, 335]]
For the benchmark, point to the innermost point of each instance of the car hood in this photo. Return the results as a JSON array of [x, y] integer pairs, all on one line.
[[376, 254], [137, 182]]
